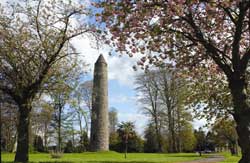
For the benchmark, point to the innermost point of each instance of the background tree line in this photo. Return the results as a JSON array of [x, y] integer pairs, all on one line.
[[61, 117]]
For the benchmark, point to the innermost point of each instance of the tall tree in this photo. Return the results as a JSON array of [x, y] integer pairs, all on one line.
[[81, 102], [60, 98], [172, 95], [147, 85], [113, 120], [163, 100], [194, 34], [34, 36]]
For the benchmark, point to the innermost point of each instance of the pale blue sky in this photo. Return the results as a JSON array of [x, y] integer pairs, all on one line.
[[121, 77], [121, 80]]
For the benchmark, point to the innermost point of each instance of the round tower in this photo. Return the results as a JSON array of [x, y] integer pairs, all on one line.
[[99, 136]]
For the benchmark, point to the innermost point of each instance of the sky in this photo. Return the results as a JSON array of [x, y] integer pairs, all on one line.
[[121, 77]]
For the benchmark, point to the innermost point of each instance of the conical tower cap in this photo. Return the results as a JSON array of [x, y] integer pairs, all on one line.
[[100, 59]]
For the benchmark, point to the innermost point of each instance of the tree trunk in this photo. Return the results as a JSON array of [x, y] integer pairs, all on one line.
[[0, 131], [59, 129], [46, 137], [126, 149], [158, 134], [241, 116], [23, 134]]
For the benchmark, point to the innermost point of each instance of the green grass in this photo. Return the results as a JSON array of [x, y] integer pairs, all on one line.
[[230, 159], [108, 157]]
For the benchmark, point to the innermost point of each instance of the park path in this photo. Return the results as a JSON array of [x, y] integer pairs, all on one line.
[[210, 159]]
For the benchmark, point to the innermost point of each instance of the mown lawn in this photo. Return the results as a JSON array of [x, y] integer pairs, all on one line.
[[108, 157], [230, 159]]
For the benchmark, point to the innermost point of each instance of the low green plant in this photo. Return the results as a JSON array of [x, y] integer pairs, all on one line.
[[56, 155]]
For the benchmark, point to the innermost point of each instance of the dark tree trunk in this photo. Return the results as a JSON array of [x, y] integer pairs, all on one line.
[[23, 134], [172, 141], [178, 138], [241, 116], [59, 129], [126, 149], [0, 131], [158, 134], [46, 137]]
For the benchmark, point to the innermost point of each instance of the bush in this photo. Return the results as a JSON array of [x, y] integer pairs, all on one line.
[[69, 147], [56, 155], [38, 144]]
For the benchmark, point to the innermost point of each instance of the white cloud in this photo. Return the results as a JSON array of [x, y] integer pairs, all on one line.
[[140, 120], [199, 123], [119, 67], [122, 99]]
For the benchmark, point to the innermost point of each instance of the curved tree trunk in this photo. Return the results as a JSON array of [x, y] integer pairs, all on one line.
[[23, 134], [241, 116]]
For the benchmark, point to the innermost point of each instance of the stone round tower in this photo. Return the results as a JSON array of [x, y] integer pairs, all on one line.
[[99, 136]]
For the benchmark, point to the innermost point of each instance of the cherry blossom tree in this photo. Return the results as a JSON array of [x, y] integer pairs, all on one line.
[[196, 35]]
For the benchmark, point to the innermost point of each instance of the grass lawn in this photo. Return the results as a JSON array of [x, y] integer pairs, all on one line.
[[108, 157], [230, 159]]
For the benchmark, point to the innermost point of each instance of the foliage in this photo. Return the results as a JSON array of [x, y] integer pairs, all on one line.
[[56, 155], [8, 123], [38, 144], [113, 120], [195, 36], [84, 142], [225, 134], [187, 138], [150, 145], [35, 36], [114, 142], [125, 139], [69, 148], [163, 97], [200, 136]]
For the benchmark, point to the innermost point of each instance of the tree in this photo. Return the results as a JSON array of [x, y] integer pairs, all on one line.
[[43, 119], [69, 147], [38, 144], [224, 131], [172, 95], [147, 84], [126, 131], [163, 100], [200, 140], [60, 116], [195, 35], [84, 141], [8, 123], [82, 103], [150, 145], [113, 120], [115, 142], [187, 137], [34, 36]]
